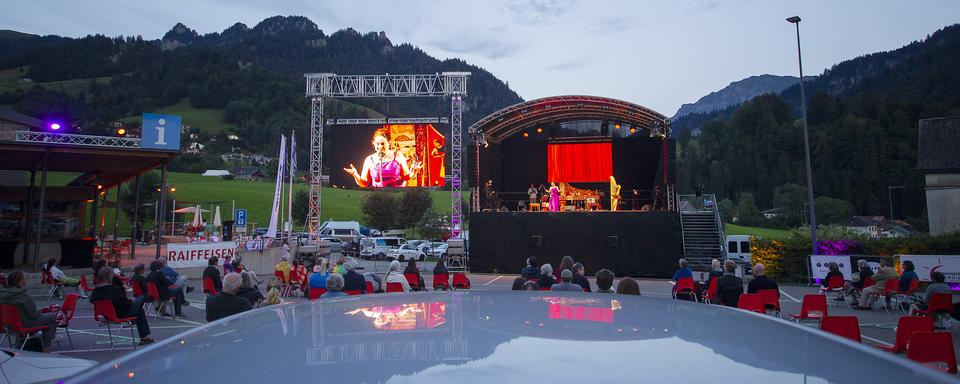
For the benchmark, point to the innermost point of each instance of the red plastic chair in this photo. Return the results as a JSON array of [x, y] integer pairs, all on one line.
[[10, 317], [890, 287], [711, 294], [315, 293], [441, 281], [353, 292], [394, 287], [933, 349], [84, 287], [752, 302], [770, 299], [208, 287], [154, 295], [545, 288], [812, 307], [370, 287], [902, 296], [834, 285], [68, 308], [845, 326], [940, 306], [685, 286], [414, 280], [51, 285], [460, 281], [106, 314], [137, 291], [906, 326]]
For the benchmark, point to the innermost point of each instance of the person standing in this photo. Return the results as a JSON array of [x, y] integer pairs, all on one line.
[[532, 192], [554, 198]]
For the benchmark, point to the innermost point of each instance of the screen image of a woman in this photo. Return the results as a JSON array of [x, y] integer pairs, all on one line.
[[386, 167]]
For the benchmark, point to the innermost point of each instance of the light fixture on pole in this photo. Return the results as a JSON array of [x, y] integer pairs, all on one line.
[[806, 143]]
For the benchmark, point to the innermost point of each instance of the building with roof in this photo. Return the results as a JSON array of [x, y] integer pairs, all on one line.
[[878, 227], [938, 157]]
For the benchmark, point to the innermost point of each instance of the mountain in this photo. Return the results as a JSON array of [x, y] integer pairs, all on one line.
[[736, 93]]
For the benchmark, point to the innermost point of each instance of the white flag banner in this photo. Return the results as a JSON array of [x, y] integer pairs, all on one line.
[[272, 229]]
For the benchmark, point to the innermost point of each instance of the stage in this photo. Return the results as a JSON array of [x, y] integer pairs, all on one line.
[[629, 243]]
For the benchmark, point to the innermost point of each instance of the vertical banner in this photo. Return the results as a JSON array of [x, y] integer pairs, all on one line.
[[278, 190]]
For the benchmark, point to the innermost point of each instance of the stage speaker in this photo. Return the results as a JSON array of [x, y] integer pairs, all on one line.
[[537, 241], [612, 241]]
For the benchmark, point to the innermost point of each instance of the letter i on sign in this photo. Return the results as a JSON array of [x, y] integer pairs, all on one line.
[[160, 130]]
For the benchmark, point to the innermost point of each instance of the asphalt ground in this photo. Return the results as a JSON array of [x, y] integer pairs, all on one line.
[[91, 341]]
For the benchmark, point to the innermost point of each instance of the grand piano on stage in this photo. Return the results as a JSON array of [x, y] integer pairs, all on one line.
[[575, 199]]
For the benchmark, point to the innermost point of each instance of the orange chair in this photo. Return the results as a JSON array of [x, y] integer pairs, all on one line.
[[906, 326], [845, 326], [414, 280], [812, 307], [751, 302], [68, 308], [770, 299], [711, 294], [105, 314], [10, 317], [933, 349], [834, 285], [890, 287], [394, 287], [685, 286], [208, 287], [460, 281], [315, 293]]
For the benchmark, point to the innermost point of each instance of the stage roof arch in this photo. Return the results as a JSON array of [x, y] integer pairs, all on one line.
[[515, 118]]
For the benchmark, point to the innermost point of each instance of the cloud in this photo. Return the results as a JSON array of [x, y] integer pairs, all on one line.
[[567, 66], [484, 46], [539, 12]]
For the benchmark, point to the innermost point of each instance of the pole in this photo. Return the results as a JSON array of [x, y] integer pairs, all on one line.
[[28, 218], [43, 200], [162, 203], [890, 200], [806, 148], [116, 215], [136, 217], [173, 214], [290, 189], [93, 213], [103, 217]]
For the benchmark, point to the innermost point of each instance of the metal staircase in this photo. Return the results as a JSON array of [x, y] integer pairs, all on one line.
[[701, 229]]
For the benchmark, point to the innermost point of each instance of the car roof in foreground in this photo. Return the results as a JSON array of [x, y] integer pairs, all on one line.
[[509, 337]]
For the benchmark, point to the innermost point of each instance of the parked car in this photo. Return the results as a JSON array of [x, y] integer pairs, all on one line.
[[377, 247], [35, 367], [405, 252], [336, 245], [439, 250]]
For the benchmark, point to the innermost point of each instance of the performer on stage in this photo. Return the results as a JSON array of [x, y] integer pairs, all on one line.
[[532, 192], [614, 194], [386, 167], [554, 198], [490, 195]]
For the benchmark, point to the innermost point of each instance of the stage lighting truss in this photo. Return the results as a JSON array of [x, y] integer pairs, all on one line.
[[330, 85], [74, 139]]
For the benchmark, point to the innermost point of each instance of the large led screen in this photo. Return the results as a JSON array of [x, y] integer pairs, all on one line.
[[387, 156]]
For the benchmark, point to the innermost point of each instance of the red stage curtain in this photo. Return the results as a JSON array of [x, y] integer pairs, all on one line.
[[579, 162]]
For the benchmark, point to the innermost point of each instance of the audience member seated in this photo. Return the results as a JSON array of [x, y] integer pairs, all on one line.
[[716, 271], [628, 286], [353, 281], [937, 286], [97, 264], [60, 277], [284, 267], [834, 270], [565, 283], [394, 276], [301, 273], [871, 293], [518, 284], [546, 280], [320, 273], [440, 268], [761, 281], [335, 285], [124, 307], [339, 268], [565, 263], [683, 272], [412, 268], [227, 303], [375, 281], [177, 280], [605, 281], [163, 288], [853, 288], [531, 271], [140, 280], [248, 290], [30, 315], [729, 286], [579, 278], [213, 273], [908, 275], [273, 298]]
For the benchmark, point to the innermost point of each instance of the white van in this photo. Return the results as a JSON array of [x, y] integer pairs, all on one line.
[[738, 248], [377, 247], [343, 230]]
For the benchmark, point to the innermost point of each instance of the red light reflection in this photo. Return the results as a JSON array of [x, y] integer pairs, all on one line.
[[405, 316]]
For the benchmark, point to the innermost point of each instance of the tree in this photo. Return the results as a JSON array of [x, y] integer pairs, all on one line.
[[726, 210], [830, 210], [414, 203], [747, 212], [791, 199], [148, 195], [431, 225], [301, 206], [380, 210]]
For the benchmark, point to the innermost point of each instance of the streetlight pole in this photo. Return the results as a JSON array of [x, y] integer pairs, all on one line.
[[806, 143]]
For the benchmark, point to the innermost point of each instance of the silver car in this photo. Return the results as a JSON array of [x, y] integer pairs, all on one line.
[[507, 337], [34, 367]]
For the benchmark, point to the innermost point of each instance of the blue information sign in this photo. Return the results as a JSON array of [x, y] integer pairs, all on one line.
[[241, 218], [160, 132]]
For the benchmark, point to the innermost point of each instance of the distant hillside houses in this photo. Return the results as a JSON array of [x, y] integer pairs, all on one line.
[[252, 159], [878, 227], [247, 173]]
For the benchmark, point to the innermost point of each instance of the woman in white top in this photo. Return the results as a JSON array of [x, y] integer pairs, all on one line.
[[394, 276]]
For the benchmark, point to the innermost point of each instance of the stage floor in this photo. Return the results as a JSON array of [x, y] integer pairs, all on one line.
[[630, 243]]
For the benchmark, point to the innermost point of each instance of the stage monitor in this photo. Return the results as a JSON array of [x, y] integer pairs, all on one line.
[[390, 155], [579, 162]]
